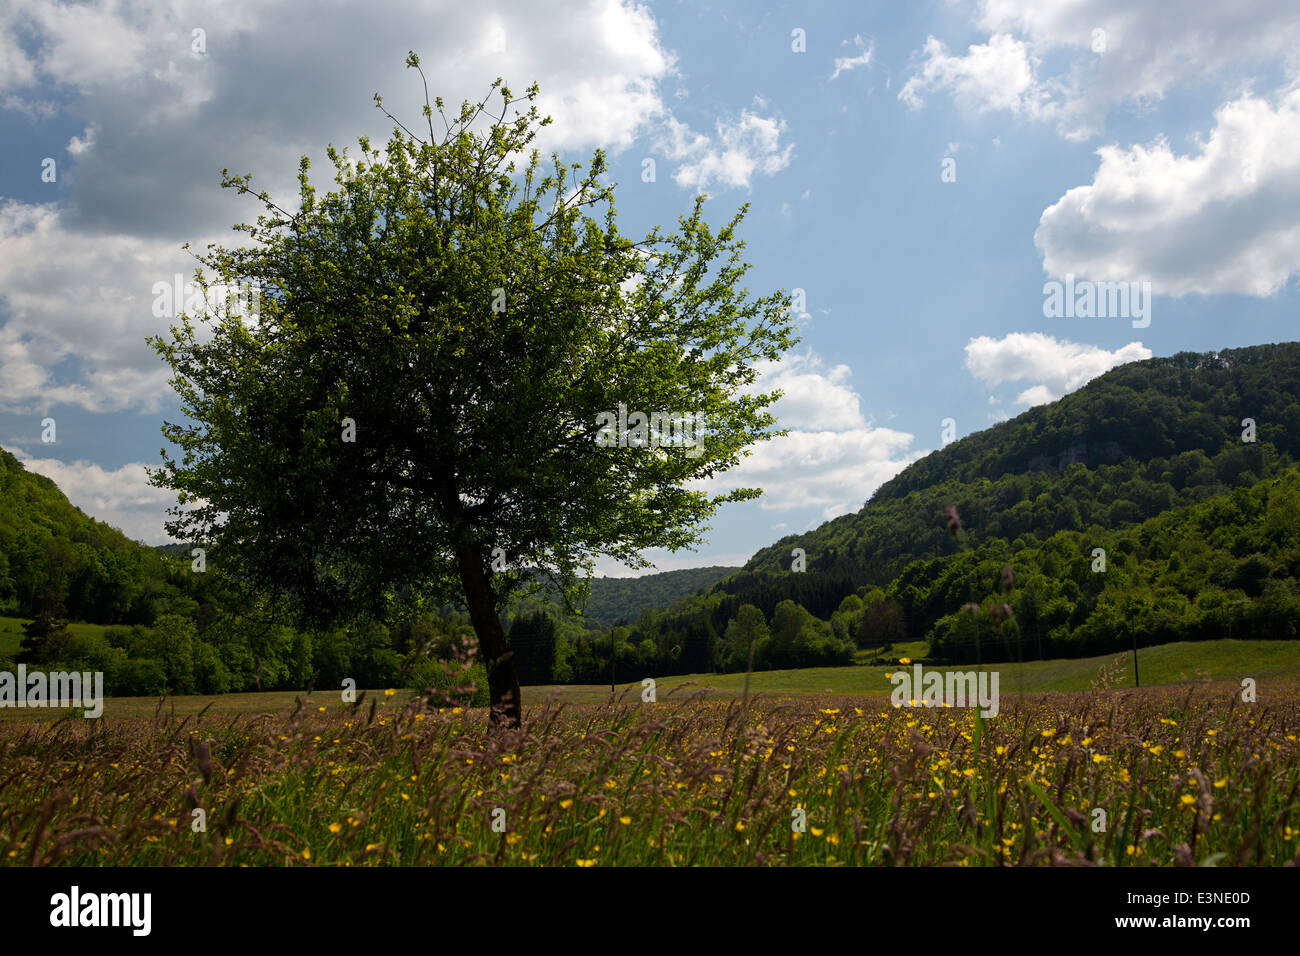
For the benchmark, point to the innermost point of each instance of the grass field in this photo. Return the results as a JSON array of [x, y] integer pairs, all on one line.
[[1203, 662], [11, 632], [1174, 775], [815, 769]]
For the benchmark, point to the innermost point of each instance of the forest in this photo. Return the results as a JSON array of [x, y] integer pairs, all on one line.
[[1158, 503]]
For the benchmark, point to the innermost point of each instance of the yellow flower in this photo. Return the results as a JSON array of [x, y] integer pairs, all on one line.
[[1099, 758], [513, 838], [390, 692], [739, 826], [565, 804], [586, 862], [335, 827], [904, 660], [816, 832], [306, 853], [1187, 799], [625, 820]]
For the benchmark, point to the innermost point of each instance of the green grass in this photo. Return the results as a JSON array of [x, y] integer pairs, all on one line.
[[11, 633], [1186, 662], [1182, 663]]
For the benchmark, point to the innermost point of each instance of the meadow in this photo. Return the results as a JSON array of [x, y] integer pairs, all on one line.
[[1180, 774]]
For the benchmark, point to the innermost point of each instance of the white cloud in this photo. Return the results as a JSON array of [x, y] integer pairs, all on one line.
[[161, 121], [742, 148], [1055, 366], [845, 63], [74, 296], [1104, 53], [1224, 218], [832, 459], [990, 76], [121, 497]]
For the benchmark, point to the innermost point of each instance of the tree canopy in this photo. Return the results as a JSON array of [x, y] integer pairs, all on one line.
[[431, 401]]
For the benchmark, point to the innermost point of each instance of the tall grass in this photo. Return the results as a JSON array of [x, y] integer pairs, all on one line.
[[1183, 777]]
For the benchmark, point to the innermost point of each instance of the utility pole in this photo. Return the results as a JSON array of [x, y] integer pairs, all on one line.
[[1137, 681]]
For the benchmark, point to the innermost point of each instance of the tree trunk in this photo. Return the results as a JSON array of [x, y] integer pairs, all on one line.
[[498, 658]]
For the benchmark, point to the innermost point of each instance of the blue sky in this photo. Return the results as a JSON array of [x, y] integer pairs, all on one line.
[[1106, 140]]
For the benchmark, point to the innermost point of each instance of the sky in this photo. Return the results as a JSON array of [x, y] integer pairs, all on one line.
[[918, 176]]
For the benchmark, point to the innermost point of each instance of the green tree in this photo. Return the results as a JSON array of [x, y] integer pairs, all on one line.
[[475, 324], [747, 630]]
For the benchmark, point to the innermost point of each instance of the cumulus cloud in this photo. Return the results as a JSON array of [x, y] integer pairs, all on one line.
[[121, 497], [742, 147], [845, 63], [1222, 218], [1104, 53], [160, 120], [1054, 366], [998, 75], [833, 458], [72, 297]]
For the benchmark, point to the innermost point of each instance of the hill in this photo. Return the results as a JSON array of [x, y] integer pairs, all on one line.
[[50, 549], [622, 600], [1208, 441]]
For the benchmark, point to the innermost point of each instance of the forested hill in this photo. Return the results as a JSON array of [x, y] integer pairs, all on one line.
[[50, 549], [615, 600], [1137, 441]]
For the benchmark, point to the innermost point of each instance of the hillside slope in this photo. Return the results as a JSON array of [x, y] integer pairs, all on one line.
[[1163, 438], [50, 549], [1135, 442]]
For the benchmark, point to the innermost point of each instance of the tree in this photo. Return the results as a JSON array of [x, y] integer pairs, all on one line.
[[533, 638], [476, 328], [46, 639], [745, 632]]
